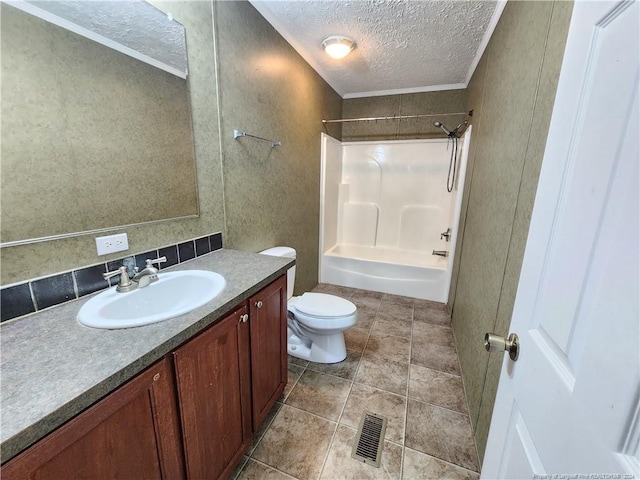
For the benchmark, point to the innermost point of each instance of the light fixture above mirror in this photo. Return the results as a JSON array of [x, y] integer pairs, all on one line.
[[338, 46]]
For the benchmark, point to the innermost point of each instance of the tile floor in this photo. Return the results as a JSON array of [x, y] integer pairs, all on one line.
[[401, 363]]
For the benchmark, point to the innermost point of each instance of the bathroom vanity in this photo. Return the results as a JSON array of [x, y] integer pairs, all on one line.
[[176, 399]]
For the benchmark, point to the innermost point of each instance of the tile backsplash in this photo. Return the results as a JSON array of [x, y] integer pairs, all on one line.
[[31, 296]]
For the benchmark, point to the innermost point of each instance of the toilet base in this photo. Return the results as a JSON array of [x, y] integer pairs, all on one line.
[[317, 348]]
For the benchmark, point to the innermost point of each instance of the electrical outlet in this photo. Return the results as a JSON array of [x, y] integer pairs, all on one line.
[[112, 243]]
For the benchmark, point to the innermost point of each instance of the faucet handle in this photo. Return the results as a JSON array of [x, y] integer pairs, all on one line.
[[125, 284], [157, 260], [119, 271]]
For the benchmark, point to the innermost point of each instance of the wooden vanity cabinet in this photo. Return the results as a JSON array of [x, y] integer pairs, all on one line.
[[132, 433], [213, 379], [218, 386], [268, 314], [228, 378]]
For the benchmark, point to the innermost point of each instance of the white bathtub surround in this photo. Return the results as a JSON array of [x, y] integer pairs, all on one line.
[[411, 274], [383, 208]]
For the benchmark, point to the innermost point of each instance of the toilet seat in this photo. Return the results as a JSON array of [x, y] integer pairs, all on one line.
[[324, 305], [321, 311]]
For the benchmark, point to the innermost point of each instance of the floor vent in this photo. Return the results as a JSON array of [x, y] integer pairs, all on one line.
[[370, 439]]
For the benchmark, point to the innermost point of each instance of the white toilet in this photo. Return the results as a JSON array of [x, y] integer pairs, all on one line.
[[316, 320]]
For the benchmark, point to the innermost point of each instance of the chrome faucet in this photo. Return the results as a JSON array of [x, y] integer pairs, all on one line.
[[149, 273], [446, 234], [442, 253], [141, 279]]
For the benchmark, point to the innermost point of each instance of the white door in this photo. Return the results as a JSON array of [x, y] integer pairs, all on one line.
[[569, 404]]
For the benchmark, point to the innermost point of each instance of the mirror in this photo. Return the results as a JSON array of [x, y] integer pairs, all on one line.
[[96, 126]]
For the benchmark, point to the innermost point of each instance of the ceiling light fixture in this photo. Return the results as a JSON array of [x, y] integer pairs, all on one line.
[[338, 46]]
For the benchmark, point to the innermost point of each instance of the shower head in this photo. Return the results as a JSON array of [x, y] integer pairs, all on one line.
[[463, 124], [442, 127], [450, 133]]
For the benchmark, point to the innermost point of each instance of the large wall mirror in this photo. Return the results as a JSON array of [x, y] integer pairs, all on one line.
[[96, 126]]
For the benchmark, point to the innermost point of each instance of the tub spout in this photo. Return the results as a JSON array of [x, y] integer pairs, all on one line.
[[442, 253]]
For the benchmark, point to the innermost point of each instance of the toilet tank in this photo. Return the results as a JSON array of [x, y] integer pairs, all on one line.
[[286, 252]]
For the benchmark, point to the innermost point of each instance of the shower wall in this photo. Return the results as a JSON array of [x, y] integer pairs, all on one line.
[[383, 208], [394, 195]]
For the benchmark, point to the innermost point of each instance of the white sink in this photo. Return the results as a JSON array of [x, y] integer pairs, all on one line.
[[174, 294]]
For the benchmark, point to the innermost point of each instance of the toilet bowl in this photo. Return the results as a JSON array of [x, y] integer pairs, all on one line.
[[316, 321]]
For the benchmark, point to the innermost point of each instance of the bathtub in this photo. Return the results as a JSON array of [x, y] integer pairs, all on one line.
[[383, 209], [389, 270]]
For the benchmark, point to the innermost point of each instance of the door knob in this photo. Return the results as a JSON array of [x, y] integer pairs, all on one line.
[[244, 318], [496, 343], [259, 304]]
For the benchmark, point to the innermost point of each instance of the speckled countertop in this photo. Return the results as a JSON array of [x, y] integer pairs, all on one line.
[[52, 367]]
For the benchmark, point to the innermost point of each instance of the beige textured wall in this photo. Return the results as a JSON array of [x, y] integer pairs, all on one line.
[[512, 93], [266, 89], [447, 101], [270, 197]]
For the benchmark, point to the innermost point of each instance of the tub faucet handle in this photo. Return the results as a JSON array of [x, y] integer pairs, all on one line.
[[446, 234]]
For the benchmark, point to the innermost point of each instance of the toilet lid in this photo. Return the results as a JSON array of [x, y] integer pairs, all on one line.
[[323, 305]]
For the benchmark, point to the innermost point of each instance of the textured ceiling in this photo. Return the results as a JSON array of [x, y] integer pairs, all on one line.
[[402, 45]]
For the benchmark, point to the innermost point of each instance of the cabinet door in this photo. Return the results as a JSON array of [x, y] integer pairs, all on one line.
[[268, 319], [131, 434], [214, 393]]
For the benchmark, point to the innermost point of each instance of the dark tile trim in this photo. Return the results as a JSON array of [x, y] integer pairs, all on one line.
[[216, 241], [16, 301], [51, 291], [90, 279], [202, 246], [172, 256], [31, 296], [186, 251]]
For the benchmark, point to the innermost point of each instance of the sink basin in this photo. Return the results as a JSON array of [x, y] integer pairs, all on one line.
[[174, 294]]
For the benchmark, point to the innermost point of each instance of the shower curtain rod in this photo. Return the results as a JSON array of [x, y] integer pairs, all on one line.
[[396, 117]]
